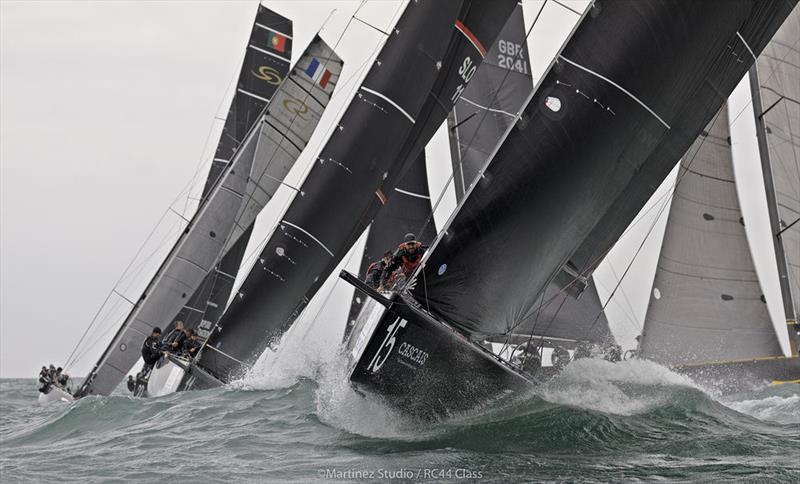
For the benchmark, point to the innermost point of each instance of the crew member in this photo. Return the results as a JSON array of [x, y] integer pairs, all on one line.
[[44, 380], [151, 351], [376, 269], [174, 340], [407, 258], [191, 345]]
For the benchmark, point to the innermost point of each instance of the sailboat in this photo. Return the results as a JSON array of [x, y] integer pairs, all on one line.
[[628, 93], [707, 315], [269, 121], [435, 47]]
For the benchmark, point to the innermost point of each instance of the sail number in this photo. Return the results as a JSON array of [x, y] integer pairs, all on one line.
[[466, 71], [510, 57], [388, 344]]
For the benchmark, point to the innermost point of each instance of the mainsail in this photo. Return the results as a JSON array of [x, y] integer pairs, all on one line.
[[707, 304], [435, 47], [628, 94], [775, 84]]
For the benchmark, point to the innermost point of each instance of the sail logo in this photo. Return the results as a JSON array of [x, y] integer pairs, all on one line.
[[268, 74], [388, 345], [296, 107], [319, 74], [466, 71]]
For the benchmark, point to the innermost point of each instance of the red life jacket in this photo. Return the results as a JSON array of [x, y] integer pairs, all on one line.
[[409, 265]]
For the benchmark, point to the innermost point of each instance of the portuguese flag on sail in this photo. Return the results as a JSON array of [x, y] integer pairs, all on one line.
[[276, 41]]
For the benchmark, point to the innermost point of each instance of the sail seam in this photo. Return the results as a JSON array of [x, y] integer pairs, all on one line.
[[396, 106], [586, 69], [269, 53], [312, 237]]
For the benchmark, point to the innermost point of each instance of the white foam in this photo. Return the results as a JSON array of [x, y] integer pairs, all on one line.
[[775, 408], [614, 388]]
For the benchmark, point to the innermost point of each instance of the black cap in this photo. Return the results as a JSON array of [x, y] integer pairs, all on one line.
[[59, 369], [156, 329], [410, 237]]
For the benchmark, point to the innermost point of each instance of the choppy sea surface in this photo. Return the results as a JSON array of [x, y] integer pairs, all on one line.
[[295, 419]]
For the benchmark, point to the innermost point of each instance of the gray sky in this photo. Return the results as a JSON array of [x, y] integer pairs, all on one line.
[[105, 114]]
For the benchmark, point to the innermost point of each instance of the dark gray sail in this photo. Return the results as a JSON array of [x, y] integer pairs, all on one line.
[[490, 103], [407, 211], [476, 124], [630, 91], [427, 61], [266, 62], [265, 66], [775, 86], [706, 304]]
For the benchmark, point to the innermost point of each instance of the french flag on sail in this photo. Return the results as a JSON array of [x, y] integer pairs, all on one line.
[[317, 73]]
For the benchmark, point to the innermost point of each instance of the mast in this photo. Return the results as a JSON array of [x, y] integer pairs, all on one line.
[[630, 91], [778, 135], [427, 61], [707, 304]]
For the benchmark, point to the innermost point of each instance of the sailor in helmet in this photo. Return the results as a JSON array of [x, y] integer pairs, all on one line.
[[407, 258]]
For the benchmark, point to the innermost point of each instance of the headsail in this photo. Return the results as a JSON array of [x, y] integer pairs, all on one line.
[[630, 91], [707, 304], [775, 84], [435, 48]]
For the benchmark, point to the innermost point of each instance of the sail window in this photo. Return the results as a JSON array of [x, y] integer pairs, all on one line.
[[708, 216], [442, 269], [656, 293], [727, 297], [553, 103]]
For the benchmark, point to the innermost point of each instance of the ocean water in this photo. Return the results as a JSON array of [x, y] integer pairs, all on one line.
[[295, 419]]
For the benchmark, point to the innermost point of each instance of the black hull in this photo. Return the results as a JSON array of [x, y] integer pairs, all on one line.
[[423, 367], [743, 375]]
